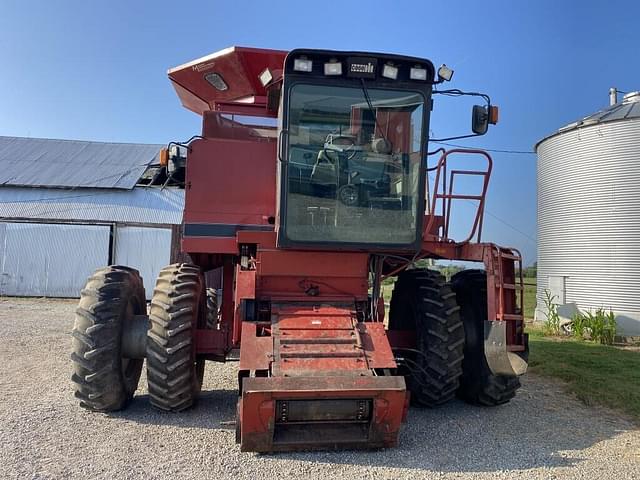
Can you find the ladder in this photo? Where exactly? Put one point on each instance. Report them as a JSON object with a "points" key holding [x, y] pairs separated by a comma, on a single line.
{"points": [[509, 292]]}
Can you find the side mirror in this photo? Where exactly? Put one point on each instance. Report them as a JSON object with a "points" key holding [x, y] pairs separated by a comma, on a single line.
{"points": [[479, 120], [481, 117]]}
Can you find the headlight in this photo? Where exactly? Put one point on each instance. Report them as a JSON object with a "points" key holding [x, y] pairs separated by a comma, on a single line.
{"points": [[333, 68], [445, 73], [265, 77], [389, 71], [302, 65], [418, 73]]}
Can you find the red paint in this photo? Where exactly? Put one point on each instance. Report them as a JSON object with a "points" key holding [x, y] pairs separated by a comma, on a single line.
{"points": [[307, 339], [239, 68]]}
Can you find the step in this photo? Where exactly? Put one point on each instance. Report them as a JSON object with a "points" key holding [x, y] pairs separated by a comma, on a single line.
{"points": [[510, 316], [510, 256]]}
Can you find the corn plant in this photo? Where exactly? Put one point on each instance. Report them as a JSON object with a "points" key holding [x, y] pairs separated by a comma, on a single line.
{"points": [[604, 327], [579, 326], [608, 327], [598, 326], [552, 322]]}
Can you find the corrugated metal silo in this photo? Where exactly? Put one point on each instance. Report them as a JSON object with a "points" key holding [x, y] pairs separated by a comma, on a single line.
{"points": [[589, 214]]}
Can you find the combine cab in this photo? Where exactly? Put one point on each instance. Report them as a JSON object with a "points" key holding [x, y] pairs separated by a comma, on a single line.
{"points": [[307, 188]]}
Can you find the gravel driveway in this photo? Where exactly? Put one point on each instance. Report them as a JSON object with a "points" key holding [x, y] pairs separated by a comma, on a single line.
{"points": [[543, 433]]}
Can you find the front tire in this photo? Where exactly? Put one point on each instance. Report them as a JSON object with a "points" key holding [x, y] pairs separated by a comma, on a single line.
{"points": [[423, 302], [174, 375], [478, 384], [104, 379]]}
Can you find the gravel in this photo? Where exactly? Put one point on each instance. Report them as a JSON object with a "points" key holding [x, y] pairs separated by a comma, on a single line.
{"points": [[543, 433]]}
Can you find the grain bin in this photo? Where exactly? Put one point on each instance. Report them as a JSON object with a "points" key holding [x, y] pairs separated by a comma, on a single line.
{"points": [[589, 214]]}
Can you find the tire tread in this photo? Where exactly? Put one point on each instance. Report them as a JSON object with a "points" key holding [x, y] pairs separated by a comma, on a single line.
{"points": [[171, 366], [97, 376], [478, 385], [423, 300]]}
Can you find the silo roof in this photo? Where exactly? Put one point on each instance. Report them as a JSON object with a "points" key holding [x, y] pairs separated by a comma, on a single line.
{"points": [[627, 109]]}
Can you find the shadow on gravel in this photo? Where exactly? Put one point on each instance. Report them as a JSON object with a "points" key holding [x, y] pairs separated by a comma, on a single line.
{"points": [[216, 409], [542, 427]]}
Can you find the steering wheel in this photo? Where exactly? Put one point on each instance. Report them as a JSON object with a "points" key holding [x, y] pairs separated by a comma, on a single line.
{"points": [[348, 145]]}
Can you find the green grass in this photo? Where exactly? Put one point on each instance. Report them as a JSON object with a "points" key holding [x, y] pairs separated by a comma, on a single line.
{"points": [[596, 374], [529, 297]]}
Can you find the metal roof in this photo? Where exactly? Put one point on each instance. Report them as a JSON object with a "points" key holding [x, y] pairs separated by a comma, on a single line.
{"points": [[140, 205], [628, 109], [42, 162]]}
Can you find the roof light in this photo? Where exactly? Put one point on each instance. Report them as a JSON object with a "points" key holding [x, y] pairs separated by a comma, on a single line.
{"points": [[302, 65], [265, 77], [389, 71], [216, 81], [445, 73], [333, 68], [417, 73]]}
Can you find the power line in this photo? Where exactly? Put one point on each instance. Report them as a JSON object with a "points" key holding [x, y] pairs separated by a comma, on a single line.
{"points": [[509, 225], [495, 150], [493, 215]]}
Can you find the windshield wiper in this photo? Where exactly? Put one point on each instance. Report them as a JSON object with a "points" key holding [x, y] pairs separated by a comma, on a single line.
{"points": [[365, 92]]}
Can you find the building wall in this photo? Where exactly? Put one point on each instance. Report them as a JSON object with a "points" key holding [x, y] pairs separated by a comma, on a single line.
{"points": [[52, 260], [145, 249], [55, 259]]}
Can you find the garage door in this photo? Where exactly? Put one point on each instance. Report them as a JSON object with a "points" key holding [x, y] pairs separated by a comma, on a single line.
{"points": [[52, 260], [146, 249]]}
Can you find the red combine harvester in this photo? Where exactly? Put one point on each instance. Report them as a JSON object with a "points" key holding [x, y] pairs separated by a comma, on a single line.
{"points": [[305, 219]]}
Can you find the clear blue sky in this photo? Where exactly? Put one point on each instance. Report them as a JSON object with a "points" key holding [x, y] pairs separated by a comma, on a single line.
{"points": [[97, 70]]}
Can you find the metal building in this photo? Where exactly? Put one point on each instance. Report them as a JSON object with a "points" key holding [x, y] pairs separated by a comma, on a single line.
{"points": [[69, 207], [589, 214]]}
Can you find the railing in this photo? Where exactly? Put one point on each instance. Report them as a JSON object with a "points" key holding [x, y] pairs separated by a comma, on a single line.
{"points": [[447, 196]]}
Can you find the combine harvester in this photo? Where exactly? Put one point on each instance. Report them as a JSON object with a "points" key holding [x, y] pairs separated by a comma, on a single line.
{"points": [[305, 219]]}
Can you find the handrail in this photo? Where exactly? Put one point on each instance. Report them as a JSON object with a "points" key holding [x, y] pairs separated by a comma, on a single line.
{"points": [[447, 196]]}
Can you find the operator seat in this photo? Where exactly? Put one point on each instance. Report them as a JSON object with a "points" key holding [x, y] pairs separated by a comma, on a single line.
{"points": [[324, 171]]}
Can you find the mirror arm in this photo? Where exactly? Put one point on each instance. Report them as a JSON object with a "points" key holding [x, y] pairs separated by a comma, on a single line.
{"points": [[454, 138]]}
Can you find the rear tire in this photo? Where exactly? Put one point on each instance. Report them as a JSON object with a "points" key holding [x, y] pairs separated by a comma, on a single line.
{"points": [[422, 301], [173, 373], [212, 308], [478, 384], [104, 380]]}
